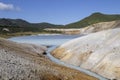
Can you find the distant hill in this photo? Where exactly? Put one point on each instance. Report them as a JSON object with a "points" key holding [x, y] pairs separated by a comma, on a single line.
{"points": [[45, 25], [92, 19], [14, 22], [19, 25], [23, 23]]}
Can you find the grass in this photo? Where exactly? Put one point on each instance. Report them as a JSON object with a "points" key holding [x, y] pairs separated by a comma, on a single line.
{"points": [[8, 35]]}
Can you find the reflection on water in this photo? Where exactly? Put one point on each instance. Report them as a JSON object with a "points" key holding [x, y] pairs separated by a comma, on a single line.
{"points": [[45, 39]]}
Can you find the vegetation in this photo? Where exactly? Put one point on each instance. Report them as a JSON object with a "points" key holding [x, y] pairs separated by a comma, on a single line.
{"points": [[8, 35], [23, 23], [92, 19], [18, 27]]}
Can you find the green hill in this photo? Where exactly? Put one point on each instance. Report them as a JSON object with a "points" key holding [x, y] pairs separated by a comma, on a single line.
{"points": [[92, 19], [14, 22], [19, 25]]}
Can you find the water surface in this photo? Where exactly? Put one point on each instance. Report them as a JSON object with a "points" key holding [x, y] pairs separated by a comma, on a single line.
{"points": [[45, 39]]}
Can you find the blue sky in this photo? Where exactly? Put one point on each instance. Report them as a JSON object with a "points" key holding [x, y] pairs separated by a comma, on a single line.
{"points": [[56, 11]]}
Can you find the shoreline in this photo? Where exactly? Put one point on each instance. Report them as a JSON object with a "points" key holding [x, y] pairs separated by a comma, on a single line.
{"points": [[57, 61], [19, 34]]}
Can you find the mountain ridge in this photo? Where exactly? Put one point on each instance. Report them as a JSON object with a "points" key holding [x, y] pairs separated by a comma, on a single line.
{"points": [[92, 19], [21, 23]]}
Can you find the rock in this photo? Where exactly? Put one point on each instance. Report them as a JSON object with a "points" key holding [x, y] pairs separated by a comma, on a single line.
{"points": [[98, 52], [100, 26], [89, 29]]}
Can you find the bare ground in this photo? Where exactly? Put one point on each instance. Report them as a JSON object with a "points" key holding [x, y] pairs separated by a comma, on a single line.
{"points": [[26, 62]]}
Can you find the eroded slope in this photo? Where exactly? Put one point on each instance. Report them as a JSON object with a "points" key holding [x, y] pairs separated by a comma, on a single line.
{"points": [[98, 52]]}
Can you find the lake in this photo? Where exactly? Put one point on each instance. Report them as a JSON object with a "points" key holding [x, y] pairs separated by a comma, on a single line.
{"points": [[45, 39]]}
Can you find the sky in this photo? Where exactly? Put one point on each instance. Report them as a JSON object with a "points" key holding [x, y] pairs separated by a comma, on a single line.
{"points": [[56, 11]]}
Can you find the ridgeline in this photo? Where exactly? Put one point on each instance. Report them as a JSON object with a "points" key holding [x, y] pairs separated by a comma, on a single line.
{"points": [[18, 27], [92, 19]]}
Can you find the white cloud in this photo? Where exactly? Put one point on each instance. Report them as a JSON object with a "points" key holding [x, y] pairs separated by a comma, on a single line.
{"points": [[4, 6]]}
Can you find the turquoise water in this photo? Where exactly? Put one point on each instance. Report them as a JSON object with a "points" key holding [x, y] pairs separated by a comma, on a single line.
{"points": [[45, 39]]}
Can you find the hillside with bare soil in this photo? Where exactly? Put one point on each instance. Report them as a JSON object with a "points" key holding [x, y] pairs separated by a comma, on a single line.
{"points": [[89, 29], [98, 52], [100, 26]]}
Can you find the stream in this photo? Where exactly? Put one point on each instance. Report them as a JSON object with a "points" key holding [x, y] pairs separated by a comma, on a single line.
{"points": [[53, 41]]}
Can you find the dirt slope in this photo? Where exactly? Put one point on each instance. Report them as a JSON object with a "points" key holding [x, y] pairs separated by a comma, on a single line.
{"points": [[100, 26]]}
